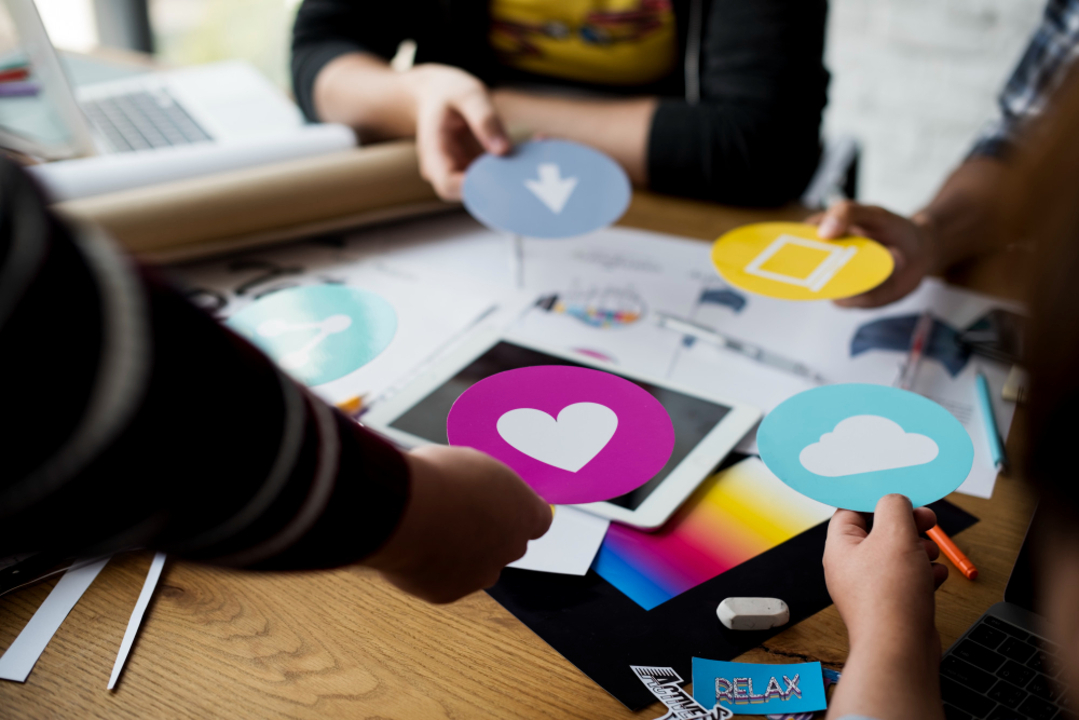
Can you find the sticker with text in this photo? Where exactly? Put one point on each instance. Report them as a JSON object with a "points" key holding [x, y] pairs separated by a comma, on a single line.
{"points": [[666, 685], [750, 689]]}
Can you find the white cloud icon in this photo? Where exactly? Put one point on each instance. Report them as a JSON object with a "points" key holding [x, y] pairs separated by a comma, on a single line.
{"points": [[866, 443]]}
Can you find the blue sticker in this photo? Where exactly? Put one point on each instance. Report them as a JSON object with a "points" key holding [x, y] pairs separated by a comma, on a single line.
{"points": [[850, 445], [750, 689], [547, 189], [318, 333]]}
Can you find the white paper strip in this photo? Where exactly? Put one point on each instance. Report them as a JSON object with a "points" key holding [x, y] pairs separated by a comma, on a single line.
{"points": [[569, 546], [20, 658], [136, 616]]}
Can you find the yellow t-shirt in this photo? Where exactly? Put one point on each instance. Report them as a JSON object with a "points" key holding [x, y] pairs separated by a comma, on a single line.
{"points": [[609, 42]]}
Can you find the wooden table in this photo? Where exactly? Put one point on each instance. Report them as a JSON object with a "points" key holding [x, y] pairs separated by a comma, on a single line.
{"points": [[344, 644]]}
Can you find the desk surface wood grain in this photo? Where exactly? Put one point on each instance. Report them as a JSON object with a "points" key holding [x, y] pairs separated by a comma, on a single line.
{"points": [[344, 644]]}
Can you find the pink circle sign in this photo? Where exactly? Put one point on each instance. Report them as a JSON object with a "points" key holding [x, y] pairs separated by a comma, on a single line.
{"points": [[574, 434]]}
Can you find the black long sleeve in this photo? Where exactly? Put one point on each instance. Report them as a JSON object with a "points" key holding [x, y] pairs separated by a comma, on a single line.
{"points": [[136, 420], [752, 138]]}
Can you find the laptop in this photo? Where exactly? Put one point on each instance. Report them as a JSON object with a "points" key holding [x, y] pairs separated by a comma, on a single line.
{"points": [[1003, 667], [219, 102]]}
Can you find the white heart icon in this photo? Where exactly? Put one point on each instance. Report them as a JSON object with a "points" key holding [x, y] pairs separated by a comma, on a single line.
{"points": [[569, 443]]}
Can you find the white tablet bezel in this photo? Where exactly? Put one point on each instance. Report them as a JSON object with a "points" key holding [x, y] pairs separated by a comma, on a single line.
{"points": [[661, 503]]}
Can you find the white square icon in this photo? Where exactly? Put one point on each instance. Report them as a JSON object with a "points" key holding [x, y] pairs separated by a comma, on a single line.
{"points": [[833, 259]]}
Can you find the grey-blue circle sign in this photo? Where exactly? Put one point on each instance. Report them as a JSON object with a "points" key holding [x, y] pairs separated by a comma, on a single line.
{"points": [[546, 189]]}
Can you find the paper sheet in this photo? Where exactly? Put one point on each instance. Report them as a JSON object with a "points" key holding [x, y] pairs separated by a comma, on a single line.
{"points": [[646, 272], [19, 659], [601, 293], [569, 546], [101, 174], [133, 624], [433, 309]]}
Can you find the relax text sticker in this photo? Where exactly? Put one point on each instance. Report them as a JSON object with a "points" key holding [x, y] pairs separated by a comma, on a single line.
{"points": [[749, 689]]}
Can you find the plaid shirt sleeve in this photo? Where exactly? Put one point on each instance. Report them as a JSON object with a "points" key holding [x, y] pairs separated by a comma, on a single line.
{"points": [[1042, 68]]}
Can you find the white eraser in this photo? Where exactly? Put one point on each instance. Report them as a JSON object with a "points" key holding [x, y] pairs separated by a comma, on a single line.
{"points": [[749, 613]]}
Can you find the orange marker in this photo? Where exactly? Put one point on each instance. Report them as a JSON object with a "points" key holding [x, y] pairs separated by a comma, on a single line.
{"points": [[953, 553]]}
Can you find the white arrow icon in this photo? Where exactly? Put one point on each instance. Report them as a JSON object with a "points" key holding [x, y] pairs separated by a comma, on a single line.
{"points": [[551, 188]]}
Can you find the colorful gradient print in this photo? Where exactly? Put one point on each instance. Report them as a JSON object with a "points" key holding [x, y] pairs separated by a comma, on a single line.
{"points": [[734, 516]]}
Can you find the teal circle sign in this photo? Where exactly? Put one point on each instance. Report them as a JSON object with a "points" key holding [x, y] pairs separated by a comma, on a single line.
{"points": [[850, 445], [318, 333]]}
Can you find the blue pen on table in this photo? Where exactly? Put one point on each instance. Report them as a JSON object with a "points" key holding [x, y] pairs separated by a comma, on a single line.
{"points": [[992, 432]]}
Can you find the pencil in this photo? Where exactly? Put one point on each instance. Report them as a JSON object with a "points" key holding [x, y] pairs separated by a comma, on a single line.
{"points": [[953, 553]]}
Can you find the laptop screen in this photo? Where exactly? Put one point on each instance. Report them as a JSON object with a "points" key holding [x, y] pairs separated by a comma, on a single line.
{"points": [[1021, 586], [38, 112]]}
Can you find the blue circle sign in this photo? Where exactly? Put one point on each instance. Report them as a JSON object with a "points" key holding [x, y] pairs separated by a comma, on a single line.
{"points": [[850, 445], [318, 333], [546, 189]]}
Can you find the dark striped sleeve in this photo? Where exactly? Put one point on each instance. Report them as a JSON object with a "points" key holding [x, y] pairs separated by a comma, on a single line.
{"points": [[136, 420]]}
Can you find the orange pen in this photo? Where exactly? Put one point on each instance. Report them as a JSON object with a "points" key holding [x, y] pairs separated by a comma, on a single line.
{"points": [[953, 553]]}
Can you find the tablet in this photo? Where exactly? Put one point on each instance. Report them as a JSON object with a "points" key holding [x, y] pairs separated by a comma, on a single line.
{"points": [[706, 427]]}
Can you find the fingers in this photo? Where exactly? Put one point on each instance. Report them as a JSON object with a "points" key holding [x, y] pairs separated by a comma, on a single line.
{"points": [[932, 550], [940, 574], [835, 222], [478, 111], [543, 521], [895, 516], [898, 285], [846, 526], [436, 166], [850, 218], [924, 519]]}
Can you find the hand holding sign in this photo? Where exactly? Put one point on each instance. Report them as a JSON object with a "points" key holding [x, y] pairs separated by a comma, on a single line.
{"points": [[789, 261], [576, 435], [547, 189], [850, 445], [466, 518]]}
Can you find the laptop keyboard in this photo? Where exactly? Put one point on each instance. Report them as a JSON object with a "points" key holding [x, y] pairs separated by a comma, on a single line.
{"points": [[143, 120], [1000, 672]]}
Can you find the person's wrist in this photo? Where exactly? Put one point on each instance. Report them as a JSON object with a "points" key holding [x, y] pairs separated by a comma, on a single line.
{"points": [[415, 80], [929, 239], [895, 639], [397, 551]]}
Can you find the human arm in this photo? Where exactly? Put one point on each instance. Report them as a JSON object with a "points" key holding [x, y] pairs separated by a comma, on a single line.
{"points": [[963, 221], [617, 127], [448, 111], [882, 582], [752, 136], [145, 423], [362, 91], [341, 73]]}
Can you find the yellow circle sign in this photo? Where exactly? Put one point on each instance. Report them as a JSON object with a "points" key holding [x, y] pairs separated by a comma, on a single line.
{"points": [[789, 262]]}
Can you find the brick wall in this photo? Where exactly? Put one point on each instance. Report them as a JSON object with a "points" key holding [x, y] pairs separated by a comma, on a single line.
{"points": [[914, 80]]}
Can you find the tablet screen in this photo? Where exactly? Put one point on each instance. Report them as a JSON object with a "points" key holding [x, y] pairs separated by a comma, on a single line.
{"points": [[693, 417]]}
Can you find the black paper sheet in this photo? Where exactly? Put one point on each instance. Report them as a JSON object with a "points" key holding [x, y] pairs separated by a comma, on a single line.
{"points": [[603, 632]]}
